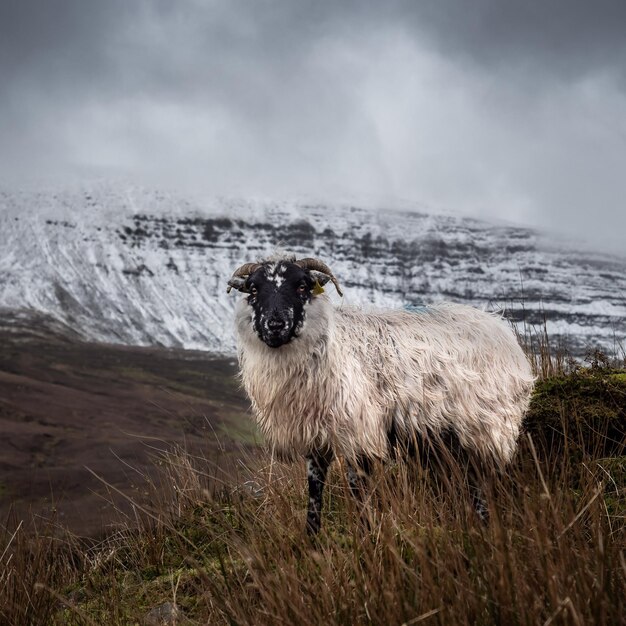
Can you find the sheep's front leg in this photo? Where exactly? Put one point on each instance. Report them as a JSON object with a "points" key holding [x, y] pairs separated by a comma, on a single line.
{"points": [[317, 468]]}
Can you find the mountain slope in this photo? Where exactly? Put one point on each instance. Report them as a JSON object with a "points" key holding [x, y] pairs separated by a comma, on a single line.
{"points": [[134, 266]]}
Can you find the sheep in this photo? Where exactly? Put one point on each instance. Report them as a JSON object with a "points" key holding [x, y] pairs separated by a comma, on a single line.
{"points": [[328, 381]]}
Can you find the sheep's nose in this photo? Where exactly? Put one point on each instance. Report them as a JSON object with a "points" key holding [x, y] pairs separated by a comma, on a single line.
{"points": [[275, 324]]}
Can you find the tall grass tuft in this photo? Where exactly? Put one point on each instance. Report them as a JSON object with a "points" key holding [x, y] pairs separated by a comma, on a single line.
{"points": [[36, 561], [415, 553]]}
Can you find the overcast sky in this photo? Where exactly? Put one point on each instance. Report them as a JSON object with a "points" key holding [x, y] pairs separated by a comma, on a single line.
{"points": [[515, 110]]}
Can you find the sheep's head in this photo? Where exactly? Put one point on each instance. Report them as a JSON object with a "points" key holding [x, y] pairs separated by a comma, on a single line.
{"points": [[279, 292]]}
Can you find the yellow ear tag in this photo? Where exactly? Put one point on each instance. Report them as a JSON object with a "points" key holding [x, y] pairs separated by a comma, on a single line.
{"points": [[317, 289]]}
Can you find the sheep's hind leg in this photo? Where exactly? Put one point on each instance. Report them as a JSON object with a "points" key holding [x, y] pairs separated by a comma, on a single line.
{"points": [[317, 468], [476, 480], [473, 469], [358, 475], [358, 480]]}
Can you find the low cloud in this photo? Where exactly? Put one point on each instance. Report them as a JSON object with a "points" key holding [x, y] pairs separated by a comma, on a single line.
{"points": [[508, 110]]}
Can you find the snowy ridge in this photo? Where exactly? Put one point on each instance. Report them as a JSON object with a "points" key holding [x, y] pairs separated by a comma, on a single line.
{"points": [[127, 265]]}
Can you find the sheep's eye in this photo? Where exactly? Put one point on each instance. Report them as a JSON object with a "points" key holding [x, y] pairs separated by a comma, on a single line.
{"points": [[302, 288], [253, 290]]}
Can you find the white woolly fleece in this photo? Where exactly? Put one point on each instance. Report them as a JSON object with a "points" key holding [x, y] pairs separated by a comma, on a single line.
{"points": [[350, 373]]}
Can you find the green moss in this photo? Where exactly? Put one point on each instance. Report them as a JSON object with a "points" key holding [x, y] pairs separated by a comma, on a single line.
{"points": [[613, 471], [146, 571], [585, 410]]}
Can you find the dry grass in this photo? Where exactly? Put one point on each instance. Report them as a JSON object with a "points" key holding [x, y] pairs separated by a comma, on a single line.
{"points": [[553, 551]]}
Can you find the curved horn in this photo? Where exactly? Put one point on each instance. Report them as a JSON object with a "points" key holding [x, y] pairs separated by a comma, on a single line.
{"points": [[320, 266], [239, 273]]}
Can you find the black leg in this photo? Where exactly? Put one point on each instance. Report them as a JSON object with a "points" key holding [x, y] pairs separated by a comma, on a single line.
{"points": [[358, 479], [358, 475], [476, 479], [317, 468], [473, 470]]}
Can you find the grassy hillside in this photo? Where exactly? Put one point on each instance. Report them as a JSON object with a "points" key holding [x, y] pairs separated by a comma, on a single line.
{"points": [[67, 405], [208, 551]]}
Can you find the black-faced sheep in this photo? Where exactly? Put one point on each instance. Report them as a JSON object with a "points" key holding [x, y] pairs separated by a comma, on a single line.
{"points": [[326, 380]]}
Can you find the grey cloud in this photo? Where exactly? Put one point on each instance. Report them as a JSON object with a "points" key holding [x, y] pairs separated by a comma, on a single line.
{"points": [[508, 109], [567, 38], [74, 37]]}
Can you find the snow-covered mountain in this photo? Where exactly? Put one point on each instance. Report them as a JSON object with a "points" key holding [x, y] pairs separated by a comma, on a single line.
{"points": [[126, 265]]}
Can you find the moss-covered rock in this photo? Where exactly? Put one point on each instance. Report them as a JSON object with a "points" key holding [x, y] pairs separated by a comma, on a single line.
{"points": [[584, 411]]}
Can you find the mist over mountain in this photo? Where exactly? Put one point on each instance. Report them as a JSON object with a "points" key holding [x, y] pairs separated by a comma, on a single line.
{"points": [[127, 265]]}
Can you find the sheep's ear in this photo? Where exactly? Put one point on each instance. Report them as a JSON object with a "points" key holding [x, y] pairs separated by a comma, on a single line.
{"points": [[238, 283]]}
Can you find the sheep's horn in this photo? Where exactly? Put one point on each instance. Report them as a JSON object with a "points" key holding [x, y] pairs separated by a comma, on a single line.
{"points": [[244, 270], [320, 266]]}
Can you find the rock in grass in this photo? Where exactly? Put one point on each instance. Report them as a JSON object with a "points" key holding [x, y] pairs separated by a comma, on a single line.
{"points": [[167, 614]]}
